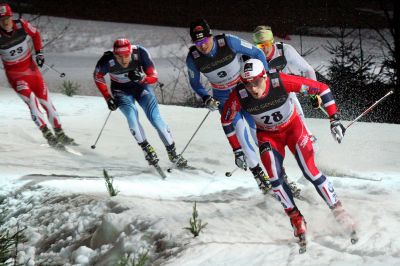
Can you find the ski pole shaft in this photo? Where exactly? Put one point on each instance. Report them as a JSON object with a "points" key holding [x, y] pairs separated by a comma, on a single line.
{"points": [[62, 74], [370, 108], [194, 134], [323, 110], [229, 174], [197, 129], [101, 131]]}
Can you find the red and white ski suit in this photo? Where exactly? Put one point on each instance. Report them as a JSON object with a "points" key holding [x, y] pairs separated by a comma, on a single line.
{"points": [[279, 125], [23, 74]]}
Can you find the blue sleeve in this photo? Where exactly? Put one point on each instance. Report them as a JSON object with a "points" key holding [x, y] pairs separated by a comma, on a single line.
{"points": [[194, 78], [243, 47], [145, 58]]}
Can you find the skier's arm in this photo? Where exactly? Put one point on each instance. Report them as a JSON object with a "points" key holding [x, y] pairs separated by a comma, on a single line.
{"points": [[100, 71], [243, 47], [231, 108], [34, 34], [194, 79], [307, 86], [296, 63], [148, 66]]}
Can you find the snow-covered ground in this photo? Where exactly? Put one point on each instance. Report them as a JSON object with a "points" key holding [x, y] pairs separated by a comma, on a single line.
{"points": [[70, 219]]}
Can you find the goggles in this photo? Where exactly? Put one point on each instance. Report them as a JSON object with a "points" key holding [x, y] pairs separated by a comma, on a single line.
{"points": [[266, 44], [203, 41]]}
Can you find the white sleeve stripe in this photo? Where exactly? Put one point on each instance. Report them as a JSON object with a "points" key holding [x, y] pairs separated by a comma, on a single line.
{"points": [[325, 92], [230, 134], [226, 124], [101, 80], [329, 103]]}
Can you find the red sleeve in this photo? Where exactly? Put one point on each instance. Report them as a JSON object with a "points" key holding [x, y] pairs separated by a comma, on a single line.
{"points": [[308, 86], [151, 76], [101, 84], [231, 108], [34, 33]]}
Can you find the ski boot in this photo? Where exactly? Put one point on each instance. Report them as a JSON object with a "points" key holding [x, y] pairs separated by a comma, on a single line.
{"points": [[51, 139], [262, 179], [345, 220], [299, 226], [150, 153], [62, 138], [176, 159], [292, 185]]}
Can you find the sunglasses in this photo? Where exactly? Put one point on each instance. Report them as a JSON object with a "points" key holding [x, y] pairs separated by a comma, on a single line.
{"points": [[203, 41], [255, 83], [266, 44]]}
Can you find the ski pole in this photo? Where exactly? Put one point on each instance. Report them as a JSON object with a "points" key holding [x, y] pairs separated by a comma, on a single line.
{"points": [[62, 74], [194, 134], [105, 122], [370, 108], [229, 174]]}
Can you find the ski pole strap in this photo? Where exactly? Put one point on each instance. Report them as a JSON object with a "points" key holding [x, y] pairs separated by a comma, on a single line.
{"points": [[370, 108]]}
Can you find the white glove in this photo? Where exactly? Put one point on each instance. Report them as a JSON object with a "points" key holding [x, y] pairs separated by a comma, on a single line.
{"points": [[337, 129], [240, 159], [211, 103]]}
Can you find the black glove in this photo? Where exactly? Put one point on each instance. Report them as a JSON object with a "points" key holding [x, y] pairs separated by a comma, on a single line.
{"points": [[315, 101], [337, 129], [112, 104], [210, 103], [136, 76], [240, 159], [39, 58]]}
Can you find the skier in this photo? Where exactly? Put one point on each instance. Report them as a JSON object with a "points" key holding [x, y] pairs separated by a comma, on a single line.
{"points": [[132, 75], [25, 77], [266, 97], [218, 59], [285, 58]]}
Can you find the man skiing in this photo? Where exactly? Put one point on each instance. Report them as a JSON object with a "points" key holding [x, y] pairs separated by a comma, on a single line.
{"points": [[266, 97], [218, 59], [132, 75], [25, 77], [285, 58]]}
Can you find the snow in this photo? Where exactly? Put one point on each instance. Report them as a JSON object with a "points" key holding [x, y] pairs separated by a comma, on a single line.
{"points": [[61, 199]]}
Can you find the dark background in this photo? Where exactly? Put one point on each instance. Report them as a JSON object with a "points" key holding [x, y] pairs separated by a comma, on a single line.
{"points": [[285, 17]]}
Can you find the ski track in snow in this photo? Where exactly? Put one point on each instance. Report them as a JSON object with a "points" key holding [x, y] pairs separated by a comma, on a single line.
{"points": [[61, 199]]}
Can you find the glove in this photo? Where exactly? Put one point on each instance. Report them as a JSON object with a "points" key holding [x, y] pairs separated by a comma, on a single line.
{"points": [[136, 76], [240, 159], [337, 129], [315, 101], [39, 58], [210, 103], [112, 104]]}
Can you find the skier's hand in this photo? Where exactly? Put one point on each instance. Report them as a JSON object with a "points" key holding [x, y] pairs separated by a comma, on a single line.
{"points": [[337, 129], [240, 159], [39, 58], [112, 104], [315, 101], [136, 76], [211, 103]]}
